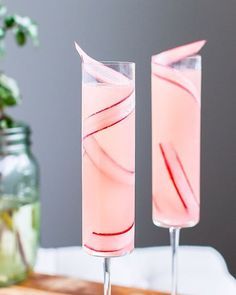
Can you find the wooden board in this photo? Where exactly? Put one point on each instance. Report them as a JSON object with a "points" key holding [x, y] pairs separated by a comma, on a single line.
{"points": [[39, 284]]}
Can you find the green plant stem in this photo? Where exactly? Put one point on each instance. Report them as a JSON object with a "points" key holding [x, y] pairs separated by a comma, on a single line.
{"points": [[1, 113], [22, 252], [19, 244]]}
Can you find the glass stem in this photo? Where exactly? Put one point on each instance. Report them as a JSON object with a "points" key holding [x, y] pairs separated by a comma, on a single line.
{"points": [[174, 241], [107, 276]]}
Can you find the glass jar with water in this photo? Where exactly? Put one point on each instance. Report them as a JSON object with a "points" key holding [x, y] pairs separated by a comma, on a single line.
{"points": [[19, 205]]}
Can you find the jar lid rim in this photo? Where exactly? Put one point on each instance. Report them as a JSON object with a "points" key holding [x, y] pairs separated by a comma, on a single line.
{"points": [[20, 127]]}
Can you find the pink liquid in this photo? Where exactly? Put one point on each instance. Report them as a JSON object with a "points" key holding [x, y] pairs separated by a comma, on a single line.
{"points": [[176, 146], [108, 168]]}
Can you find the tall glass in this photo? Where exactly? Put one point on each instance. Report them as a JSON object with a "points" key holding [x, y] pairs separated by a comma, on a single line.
{"points": [[176, 148], [108, 165]]}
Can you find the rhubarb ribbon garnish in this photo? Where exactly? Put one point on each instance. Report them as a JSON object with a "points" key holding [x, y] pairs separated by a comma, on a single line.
{"points": [[105, 118], [162, 67], [177, 54], [99, 71], [116, 233], [105, 163], [102, 250], [179, 178], [119, 239], [109, 116]]}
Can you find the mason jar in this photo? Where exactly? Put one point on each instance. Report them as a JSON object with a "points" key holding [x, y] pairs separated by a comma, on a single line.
{"points": [[19, 205]]}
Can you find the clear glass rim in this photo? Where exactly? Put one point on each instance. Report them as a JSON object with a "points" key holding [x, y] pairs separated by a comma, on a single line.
{"points": [[186, 63], [111, 63], [194, 56]]}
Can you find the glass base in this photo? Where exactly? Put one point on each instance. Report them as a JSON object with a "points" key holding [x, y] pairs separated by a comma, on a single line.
{"points": [[119, 253], [168, 225]]}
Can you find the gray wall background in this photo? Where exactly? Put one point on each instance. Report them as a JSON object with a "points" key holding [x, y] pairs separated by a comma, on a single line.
{"points": [[49, 78]]}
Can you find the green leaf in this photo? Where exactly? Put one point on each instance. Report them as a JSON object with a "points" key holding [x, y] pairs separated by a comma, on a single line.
{"points": [[9, 21], [7, 122], [30, 28], [9, 92], [20, 37]]}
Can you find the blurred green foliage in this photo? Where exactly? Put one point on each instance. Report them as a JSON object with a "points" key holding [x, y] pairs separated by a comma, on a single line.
{"points": [[23, 29]]}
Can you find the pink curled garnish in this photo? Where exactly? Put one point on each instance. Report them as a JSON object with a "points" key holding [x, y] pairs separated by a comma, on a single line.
{"points": [[179, 178], [171, 174], [116, 233], [186, 176], [168, 57], [120, 237], [109, 116], [99, 71], [106, 118], [161, 67], [105, 163], [102, 251]]}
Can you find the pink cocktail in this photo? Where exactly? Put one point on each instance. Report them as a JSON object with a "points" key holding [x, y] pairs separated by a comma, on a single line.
{"points": [[176, 143], [108, 159], [108, 114], [176, 115]]}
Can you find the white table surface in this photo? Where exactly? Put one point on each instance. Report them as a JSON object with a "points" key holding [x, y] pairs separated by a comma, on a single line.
{"points": [[202, 270]]}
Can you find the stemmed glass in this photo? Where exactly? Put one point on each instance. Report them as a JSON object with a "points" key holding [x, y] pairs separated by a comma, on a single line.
{"points": [[108, 159], [176, 86]]}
